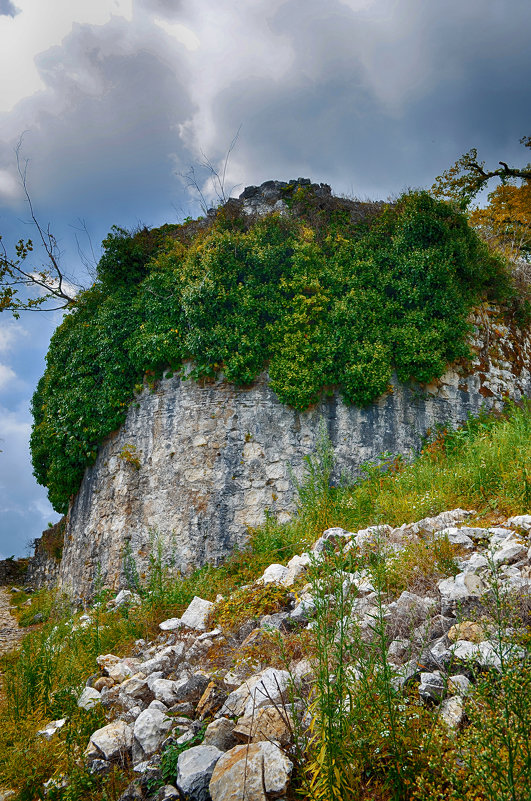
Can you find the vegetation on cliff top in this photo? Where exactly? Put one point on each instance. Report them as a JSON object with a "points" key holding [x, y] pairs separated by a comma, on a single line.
{"points": [[317, 299]]}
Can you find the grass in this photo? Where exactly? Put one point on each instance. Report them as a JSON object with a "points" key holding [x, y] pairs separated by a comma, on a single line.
{"points": [[369, 740]]}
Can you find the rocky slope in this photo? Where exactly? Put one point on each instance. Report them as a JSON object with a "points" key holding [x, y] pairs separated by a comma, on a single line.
{"points": [[216, 698]]}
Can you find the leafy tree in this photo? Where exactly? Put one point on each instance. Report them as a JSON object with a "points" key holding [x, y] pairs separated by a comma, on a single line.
{"points": [[505, 223], [468, 176]]}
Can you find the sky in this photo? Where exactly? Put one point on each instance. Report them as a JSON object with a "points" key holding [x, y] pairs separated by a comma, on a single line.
{"points": [[115, 100]]}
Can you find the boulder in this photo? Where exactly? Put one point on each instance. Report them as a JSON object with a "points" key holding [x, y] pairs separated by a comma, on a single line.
{"points": [[296, 567], [431, 687], [164, 690], [520, 521], [211, 701], [197, 613], [126, 597], [220, 734], [112, 742], [460, 590], [260, 690], [329, 539], [451, 712], [89, 698], [303, 611], [172, 624], [122, 670], [190, 690], [486, 654], [274, 574], [431, 524], [151, 728], [105, 661], [137, 687], [256, 772], [455, 536], [509, 551], [467, 630], [268, 723], [194, 771]]}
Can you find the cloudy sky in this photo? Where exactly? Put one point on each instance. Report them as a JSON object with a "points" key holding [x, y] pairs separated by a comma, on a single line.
{"points": [[115, 99]]}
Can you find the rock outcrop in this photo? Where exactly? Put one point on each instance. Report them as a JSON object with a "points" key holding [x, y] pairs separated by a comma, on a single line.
{"points": [[210, 458]]}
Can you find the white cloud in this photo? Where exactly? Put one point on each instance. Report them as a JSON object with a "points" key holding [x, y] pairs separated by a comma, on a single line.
{"points": [[10, 334], [7, 376], [38, 27], [179, 32], [9, 186]]}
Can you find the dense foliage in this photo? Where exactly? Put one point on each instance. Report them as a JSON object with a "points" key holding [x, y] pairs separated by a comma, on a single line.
{"points": [[318, 303]]}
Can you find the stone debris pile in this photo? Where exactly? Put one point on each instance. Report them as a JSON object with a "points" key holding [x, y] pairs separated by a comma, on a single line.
{"points": [[239, 722]]}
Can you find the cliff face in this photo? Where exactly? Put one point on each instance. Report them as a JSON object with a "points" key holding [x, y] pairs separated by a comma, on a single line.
{"points": [[196, 464]]}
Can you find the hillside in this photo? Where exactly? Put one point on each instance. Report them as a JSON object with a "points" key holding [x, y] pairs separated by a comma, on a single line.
{"points": [[332, 659], [320, 291]]}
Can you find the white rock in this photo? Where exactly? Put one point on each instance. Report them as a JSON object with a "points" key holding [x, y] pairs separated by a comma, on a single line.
{"points": [[172, 624], [194, 771], [151, 728], [297, 566], [431, 686], [158, 705], [304, 610], [455, 536], [197, 614], [462, 586], [111, 742], [474, 563], [126, 597], [273, 574], [486, 653], [410, 603], [120, 671], [398, 649], [89, 698], [459, 684], [520, 521], [498, 534], [451, 711], [105, 661], [509, 551], [256, 772], [440, 521], [260, 690], [329, 538], [51, 728], [164, 690]]}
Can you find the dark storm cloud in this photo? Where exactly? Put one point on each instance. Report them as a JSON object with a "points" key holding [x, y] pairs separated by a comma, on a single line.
{"points": [[8, 9], [371, 96], [380, 101]]}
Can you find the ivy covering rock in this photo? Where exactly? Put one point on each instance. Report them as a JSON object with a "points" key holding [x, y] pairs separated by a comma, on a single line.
{"points": [[319, 291]]}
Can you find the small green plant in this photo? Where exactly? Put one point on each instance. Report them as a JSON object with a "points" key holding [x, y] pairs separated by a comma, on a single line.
{"points": [[130, 455], [170, 755]]}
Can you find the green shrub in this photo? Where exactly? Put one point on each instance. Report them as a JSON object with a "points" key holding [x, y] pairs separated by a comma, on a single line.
{"points": [[318, 305]]}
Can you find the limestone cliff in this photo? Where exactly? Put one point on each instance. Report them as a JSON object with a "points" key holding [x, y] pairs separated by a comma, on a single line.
{"points": [[196, 464]]}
